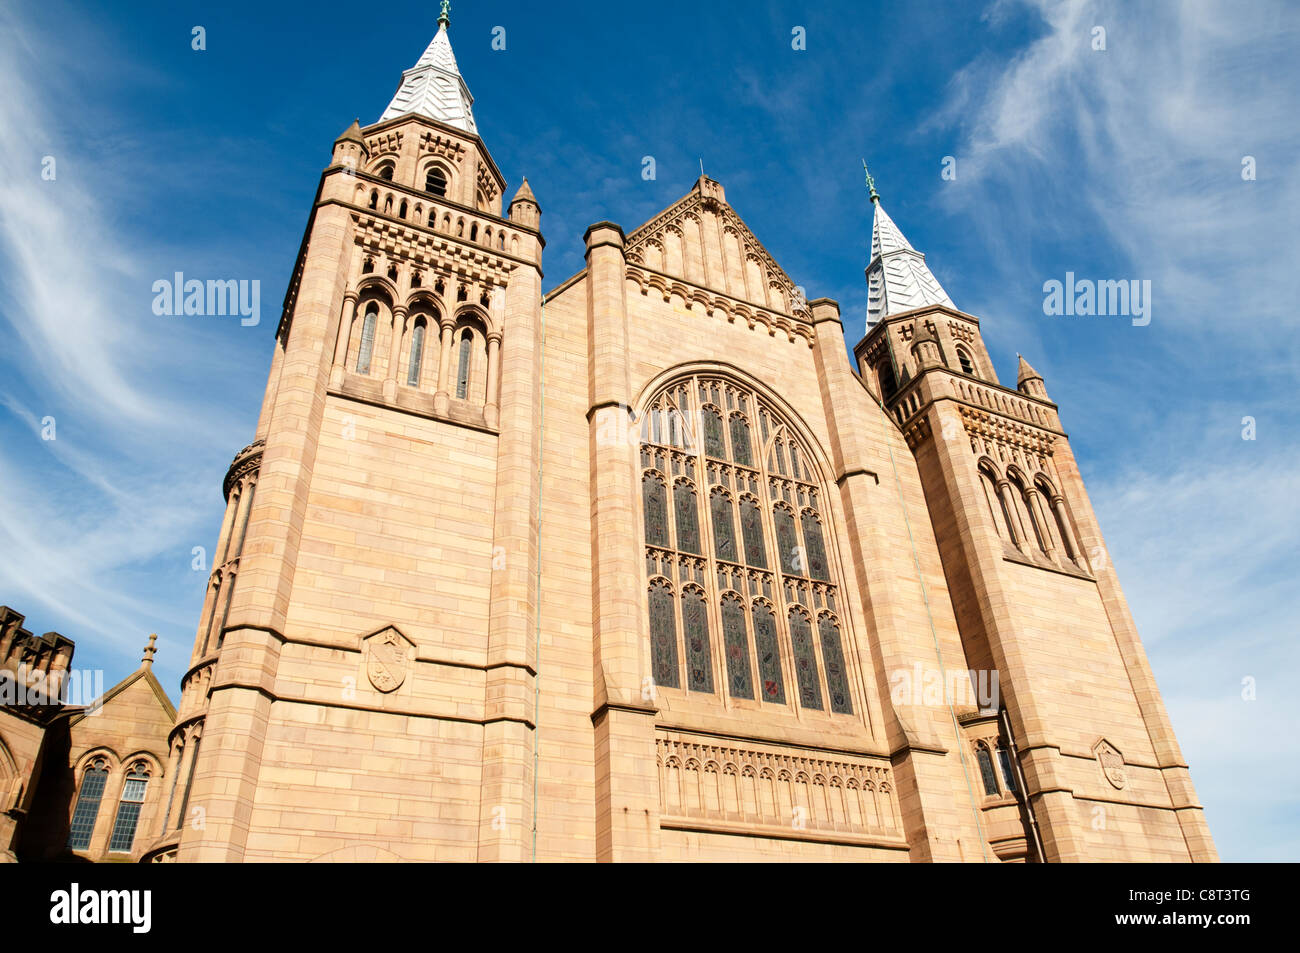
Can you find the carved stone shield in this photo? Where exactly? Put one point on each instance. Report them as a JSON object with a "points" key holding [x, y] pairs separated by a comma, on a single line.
{"points": [[1112, 763], [388, 656]]}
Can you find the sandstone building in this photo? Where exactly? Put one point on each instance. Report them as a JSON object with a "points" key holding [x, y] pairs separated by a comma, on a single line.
{"points": [[640, 567], [83, 781]]}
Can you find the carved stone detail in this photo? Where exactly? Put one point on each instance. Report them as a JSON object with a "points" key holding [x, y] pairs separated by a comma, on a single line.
{"points": [[1112, 763], [388, 655], [712, 779]]}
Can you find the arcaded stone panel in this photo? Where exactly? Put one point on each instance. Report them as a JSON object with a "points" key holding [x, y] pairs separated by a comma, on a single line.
{"points": [[398, 532], [335, 779], [713, 782]]}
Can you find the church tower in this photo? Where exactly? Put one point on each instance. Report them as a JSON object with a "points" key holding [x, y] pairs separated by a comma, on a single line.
{"points": [[1035, 595], [363, 671]]}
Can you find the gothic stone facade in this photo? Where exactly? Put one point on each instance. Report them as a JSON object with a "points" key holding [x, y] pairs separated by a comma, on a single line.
{"points": [[77, 782], [640, 567]]}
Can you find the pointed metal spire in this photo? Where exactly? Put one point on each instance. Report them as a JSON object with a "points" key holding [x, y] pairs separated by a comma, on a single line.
{"points": [[433, 87], [898, 279]]}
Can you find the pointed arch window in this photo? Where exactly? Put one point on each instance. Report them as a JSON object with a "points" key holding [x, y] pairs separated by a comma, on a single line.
{"points": [[888, 383], [724, 537], [769, 654], [686, 517], [695, 630], [462, 366], [805, 659], [1008, 773], [741, 450], [837, 679], [788, 541], [963, 358], [736, 644], [367, 338], [713, 445], [88, 799], [814, 546], [129, 806], [654, 504], [751, 527], [663, 635], [417, 353], [386, 171], [435, 181], [986, 770]]}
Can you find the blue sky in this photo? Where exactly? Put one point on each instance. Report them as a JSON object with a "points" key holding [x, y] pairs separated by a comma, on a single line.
{"points": [[1117, 163]]}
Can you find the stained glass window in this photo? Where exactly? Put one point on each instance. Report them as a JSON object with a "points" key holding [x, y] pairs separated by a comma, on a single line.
{"points": [[654, 501], [695, 629], [128, 808], [736, 642], [713, 434], [724, 564], [663, 635], [792, 560], [813, 546], [805, 660], [417, 353], [769, 654], [87, 809], [724, 537], [741, 450], [367, 339], [986, 770], [837, 679], [688, 521], [751, 528]]}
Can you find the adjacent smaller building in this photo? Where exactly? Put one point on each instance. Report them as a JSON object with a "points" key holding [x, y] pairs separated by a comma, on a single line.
{"points": [[78, 781]]}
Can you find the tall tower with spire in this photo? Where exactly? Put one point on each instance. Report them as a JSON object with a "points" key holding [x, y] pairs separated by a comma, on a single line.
{"points": [[1035, 594], [372, 598]]}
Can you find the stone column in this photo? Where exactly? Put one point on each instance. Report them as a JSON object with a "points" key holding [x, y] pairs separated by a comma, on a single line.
{"points": [[627, 784], [1008, 499], [345, 336], [490, 414], [395, 353], [1038, 513], [442, 399], [1067, 531]]}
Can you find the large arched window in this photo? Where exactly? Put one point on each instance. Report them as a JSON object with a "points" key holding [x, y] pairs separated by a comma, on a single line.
{"points": [[88, 799], [751, 592], [129, 806]]}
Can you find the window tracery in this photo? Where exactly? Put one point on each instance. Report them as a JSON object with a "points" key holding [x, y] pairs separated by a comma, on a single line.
{"points": [[740, 582]]}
